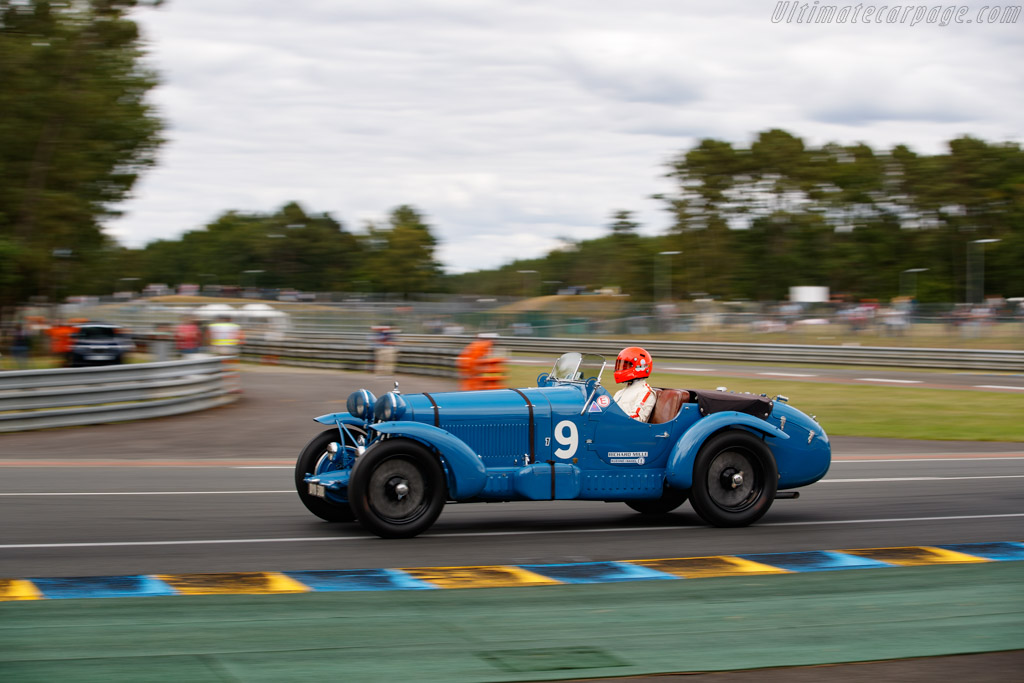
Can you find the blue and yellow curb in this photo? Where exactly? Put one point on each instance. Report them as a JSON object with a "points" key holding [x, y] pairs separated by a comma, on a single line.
{"points": [[502, 576]]}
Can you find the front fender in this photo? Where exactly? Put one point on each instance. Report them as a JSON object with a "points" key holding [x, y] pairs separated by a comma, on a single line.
{"points": [[466, 471], [339, 420], [679, 470], [334, 418]]}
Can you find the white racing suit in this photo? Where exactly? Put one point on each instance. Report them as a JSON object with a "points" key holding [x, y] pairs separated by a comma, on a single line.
{"points": [[637, 399]]}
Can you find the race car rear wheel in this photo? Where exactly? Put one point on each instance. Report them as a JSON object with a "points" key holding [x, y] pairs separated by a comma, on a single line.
{"points": [[397, 489], [314, 459], [670, 499], [734, 479]]}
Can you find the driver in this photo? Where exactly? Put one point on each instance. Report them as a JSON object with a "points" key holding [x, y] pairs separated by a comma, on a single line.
{"points": [[637, 398]]}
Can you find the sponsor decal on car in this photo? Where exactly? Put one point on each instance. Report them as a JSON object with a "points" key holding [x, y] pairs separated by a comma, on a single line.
{"points": [[627, 457]]}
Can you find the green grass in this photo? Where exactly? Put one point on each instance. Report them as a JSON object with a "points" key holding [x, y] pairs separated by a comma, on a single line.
{"points": [[35, 363], [850, 410]]}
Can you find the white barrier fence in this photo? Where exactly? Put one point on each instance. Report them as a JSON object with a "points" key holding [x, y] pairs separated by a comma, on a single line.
{"points": [[352, 354], [421, 354], [63, 397]]}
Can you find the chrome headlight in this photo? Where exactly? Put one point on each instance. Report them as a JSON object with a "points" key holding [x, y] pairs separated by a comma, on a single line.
{"points": [[390, 406], [360, 404]]}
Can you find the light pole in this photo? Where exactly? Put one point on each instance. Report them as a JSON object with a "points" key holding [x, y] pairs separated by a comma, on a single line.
{"points": [[668, 279], [979, 290], [913, 288], [205, 280], [128, 281], [524, 273], [254, 272]]}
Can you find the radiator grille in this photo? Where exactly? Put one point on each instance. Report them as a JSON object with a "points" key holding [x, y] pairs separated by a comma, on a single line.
{"points": [[497, 444]]}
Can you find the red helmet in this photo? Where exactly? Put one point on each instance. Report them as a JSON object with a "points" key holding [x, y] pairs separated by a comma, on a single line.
{"points": [[632, 363]]}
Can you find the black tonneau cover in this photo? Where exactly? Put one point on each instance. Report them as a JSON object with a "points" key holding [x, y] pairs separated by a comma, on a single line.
{"points": [[720, 401]]}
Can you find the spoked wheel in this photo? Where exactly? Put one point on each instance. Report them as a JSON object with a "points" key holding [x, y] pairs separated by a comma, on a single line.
{"points": [[734, 480], [670, 499], [397, 489], [315, 459]]}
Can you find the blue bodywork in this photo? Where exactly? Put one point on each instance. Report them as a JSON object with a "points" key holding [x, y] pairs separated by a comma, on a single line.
{"points": [[565, 439]]}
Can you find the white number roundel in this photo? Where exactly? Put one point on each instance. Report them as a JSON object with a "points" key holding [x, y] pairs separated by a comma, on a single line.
{"points": [[569, 438]]}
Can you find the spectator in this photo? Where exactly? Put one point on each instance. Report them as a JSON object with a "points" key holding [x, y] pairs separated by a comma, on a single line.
{"points": [[60, 340], [21, 346], [225, 336], [385, 352], [187, 337], [161, 344]]}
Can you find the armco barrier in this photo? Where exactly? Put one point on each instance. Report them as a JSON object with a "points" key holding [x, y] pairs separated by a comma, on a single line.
{"points": [[435, 354], [63, 397], [351, 354]]}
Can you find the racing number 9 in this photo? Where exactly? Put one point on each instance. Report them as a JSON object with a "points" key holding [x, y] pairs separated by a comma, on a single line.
{"points": [[567, 435]]}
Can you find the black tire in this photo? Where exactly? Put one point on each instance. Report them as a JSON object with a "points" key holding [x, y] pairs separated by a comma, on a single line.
{"points": [[312, 460], [717, 496], [397, 489], [670, 499]]}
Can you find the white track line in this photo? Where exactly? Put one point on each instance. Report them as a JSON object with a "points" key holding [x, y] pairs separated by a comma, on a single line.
{"points": [[884, 479], [427, 537], [890, 381], [842, 461], [139, 493], [997, 386]]}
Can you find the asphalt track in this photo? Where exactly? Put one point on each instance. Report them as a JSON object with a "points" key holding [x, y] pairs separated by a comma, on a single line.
{"points": [[211, 493]]}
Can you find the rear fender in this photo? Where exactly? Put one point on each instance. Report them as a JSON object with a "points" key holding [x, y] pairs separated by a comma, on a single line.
{"points": [[466, 472], [679, 470]]}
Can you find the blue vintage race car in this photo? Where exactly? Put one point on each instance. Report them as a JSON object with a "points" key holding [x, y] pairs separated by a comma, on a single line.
{"points": [[393, 462]]}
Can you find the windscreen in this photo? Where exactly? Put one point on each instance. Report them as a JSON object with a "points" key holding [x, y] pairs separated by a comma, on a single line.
{"points": [[578, 367], [567, 367]]}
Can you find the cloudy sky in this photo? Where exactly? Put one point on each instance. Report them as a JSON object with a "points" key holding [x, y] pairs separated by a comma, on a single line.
{"points": [[515, 124]]}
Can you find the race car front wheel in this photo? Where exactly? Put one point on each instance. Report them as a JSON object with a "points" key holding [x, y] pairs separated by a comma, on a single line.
{"points": [[734, 479], [315, 459], [397, 489]]}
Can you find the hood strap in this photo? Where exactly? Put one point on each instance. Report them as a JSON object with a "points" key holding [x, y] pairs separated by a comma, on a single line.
{"points": [[533, 456]]}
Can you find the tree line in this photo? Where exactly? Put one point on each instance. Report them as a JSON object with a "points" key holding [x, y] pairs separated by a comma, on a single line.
{"points": [[749, 222], [290, 249], [745, 221]]}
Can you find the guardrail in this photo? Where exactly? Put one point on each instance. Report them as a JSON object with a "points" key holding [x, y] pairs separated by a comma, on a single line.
{"points": [[355, 353], [423, 354], [63, 397], [949, 359]]}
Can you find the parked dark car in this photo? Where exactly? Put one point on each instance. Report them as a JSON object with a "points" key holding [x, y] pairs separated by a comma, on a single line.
{"points": [[98, 344]]}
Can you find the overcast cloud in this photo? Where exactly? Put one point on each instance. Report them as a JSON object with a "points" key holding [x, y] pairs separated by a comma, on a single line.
{"points": [[513, 124]]}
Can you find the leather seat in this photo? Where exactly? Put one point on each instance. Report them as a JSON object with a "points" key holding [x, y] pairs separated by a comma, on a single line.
{"points": [[668, 404]]}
